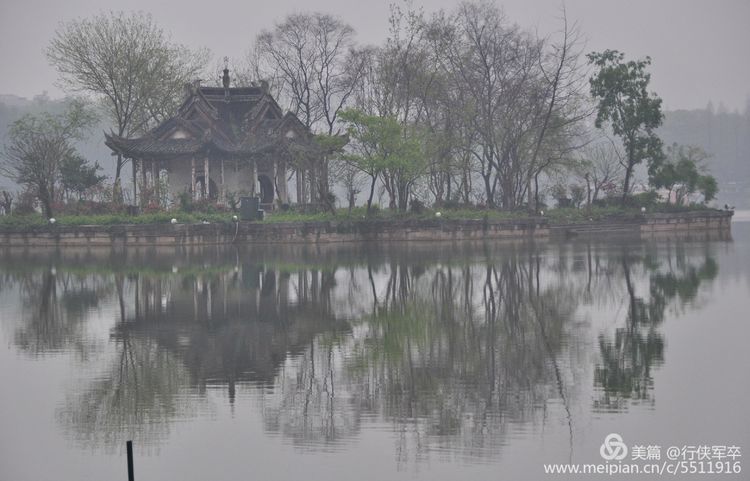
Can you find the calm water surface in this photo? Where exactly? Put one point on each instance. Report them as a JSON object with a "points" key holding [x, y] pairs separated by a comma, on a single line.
{"points": [[411, 361]]}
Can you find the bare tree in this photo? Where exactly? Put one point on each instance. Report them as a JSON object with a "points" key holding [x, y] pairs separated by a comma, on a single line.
{"points": [[350, 177], [601, 167], [312, 62], [505, 91], [129, 63], [495, 64], [562, 107]]}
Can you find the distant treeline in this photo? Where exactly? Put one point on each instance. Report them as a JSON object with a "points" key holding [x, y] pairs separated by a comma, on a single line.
{"points": [[723, 135]]}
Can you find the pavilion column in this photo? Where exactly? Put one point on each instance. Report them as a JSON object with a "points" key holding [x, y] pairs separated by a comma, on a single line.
{"points": [[298, 185], [253, 177], [144, 182], [152, 164], [135, 180], [206, 179], [156, 178], [192, 177]]}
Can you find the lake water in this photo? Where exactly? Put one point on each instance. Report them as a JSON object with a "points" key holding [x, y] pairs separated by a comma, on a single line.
{"points": [[413, 361]]}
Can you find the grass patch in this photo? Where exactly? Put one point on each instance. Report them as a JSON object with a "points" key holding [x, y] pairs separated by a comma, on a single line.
{"points": [[360, 213], [37, 220], [555, 216]]}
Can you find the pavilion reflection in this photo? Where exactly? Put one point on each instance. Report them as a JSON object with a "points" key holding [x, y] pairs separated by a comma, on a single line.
{"points": [[232, 326], [187, 330]]}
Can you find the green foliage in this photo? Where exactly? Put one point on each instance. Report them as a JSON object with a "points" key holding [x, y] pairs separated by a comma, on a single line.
{"points": [[571, 214], [634, 114], [205, 206], [708, 187], [644, 199], [186, 201], [559, 192], [233, 200], [358, 214], [681, 174], [577, 195], [331, 143], [376, 141], [37, 220], [382, 146], [37, 147], [77, 175]]}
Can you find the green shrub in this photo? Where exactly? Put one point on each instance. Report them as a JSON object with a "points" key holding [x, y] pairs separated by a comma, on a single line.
{"points": [[185, 199], [643, 199]]}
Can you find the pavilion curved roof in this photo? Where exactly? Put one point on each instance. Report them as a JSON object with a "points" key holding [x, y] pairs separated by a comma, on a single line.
{"points": [[150, 147], [238, 122]]}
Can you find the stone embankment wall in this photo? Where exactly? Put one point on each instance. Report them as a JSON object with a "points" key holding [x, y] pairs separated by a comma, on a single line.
{"points": [[271, 233], [716, 223], [372, 230]]}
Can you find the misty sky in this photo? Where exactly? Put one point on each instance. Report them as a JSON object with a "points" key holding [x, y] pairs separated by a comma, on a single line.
{"points": [[700, 48]]}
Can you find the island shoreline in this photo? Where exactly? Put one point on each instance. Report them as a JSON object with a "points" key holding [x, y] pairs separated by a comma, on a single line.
{"points": [[384, 230]]}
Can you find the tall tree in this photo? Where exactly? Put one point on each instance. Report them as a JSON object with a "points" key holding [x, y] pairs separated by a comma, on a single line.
{"points": [[624, 102], [129, 63], [312, 62], [560, 108], [378, 145], [38, 145], [496, 67]]}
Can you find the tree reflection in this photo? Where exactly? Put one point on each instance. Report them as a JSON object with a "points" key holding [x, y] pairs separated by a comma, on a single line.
{"points": [[195, 328], [136, 397], [53, 310], [453, 346], [455, 354], [627, 360]]}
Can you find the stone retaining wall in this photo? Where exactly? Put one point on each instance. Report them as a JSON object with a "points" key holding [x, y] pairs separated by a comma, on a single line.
{"points": [[373, 230], [714, 222], [271, 233]]}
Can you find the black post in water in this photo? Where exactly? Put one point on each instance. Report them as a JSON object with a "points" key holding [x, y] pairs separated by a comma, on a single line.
{"points": [[131, 476]]}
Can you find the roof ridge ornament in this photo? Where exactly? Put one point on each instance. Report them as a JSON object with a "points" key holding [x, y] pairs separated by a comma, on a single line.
{"points": [[225, 77]]}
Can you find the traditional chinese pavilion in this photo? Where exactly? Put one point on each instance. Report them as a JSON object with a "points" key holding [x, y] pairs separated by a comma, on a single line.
{"points": [[222, 140]]}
